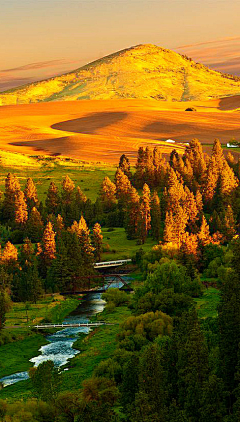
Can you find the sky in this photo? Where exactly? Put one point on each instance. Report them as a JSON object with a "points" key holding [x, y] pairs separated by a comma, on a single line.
{"points": [[43, 38]]}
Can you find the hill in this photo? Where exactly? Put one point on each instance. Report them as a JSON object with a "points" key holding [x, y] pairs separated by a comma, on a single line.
{"points": [[140, 72]]}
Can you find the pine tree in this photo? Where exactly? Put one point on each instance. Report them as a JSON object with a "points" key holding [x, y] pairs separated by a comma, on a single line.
{"points": [[83, 233], [9, 254], [30, 193], [169, 228], [20, 206], [229, 225], [59, 225], [156, 216], [123, 185], [229, 328], [11, 188], [48, 244], [35, 226], [132, 213], [228, 183], [144, 223], [194, 154], [192, 365], [204, 234], [97, 241], [68, 200], [80, 201], [108, 194], [52, 199], [124, 165]]}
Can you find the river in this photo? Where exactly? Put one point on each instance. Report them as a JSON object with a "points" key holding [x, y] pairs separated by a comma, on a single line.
{"points": [[60, 347]]}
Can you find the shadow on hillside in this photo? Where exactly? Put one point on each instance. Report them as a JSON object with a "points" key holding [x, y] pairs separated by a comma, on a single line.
{"points": [[91, 122], [229, 103]]}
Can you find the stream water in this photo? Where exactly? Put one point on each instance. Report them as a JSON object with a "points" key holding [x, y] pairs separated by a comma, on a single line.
{"points": [[60, 347]]}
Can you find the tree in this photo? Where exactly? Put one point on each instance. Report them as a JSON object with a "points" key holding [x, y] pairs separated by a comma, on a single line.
{"points": [[83, 233], [123, 185], [11, 188], [204, 234], [132, 213], [9, 254], [97, 241], [229, 329], [124, 165], [5, 305], [46, 381], [229, 225], [52, 199], [20, 208], [30, 193], [68, 200], [48, 244], [156, 216], [192, 365], [108, 194], [35, 225], [194, 154], [144, 222]]}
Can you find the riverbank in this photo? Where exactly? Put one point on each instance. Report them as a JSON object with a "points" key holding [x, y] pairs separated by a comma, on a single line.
{"points": [[97, 346], [15, 356]]}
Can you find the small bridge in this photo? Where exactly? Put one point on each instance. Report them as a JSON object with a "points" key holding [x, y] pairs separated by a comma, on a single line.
{"points": [[107, 264], [74, 325], [115, 278]]}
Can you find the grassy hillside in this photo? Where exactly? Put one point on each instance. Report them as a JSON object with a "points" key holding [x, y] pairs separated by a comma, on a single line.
{"points": [[143, 71]]}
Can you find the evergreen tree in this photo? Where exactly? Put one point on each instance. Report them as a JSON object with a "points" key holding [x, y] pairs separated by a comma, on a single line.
{"points": [[156, 216], [124, 165], [229, 225], [68, 200], [9, 254], [108, 194], [132, 214], [30, 193], [20, 208], [192, 365], [97, 241], [48, 244], [229, 329], [83, 233], [35, 226], [144, 223], [204, 234], [11, 188], [52, 199], [123, 185]]}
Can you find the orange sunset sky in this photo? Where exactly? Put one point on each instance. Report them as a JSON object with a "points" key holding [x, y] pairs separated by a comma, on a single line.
{"points": [[43, 38]]}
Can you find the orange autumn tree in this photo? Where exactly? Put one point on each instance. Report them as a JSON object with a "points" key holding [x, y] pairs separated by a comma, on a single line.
{"points": [[144, 222], [20, 209], [48, 244], [30, 193], [52, 199], [97, 241], [108, 194]]}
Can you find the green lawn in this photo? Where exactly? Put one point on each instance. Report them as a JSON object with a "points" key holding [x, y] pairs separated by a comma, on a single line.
{"points": [[52, 307], [14, 357], [207, 304], [88, 177], [119, 246]]}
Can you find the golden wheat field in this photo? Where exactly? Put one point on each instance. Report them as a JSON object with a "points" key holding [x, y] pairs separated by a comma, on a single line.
{"points": [[101, 130]]}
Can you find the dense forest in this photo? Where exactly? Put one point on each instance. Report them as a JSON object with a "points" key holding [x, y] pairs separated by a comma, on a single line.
{"points": [[169, 365]]}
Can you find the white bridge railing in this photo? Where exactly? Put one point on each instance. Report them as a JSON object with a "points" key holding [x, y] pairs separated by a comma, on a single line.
{"points": [[112, 263], [66, 325]]}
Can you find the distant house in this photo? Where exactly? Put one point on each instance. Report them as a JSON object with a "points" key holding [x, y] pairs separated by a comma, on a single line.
{"points": [[170, 141], [234, 145]]}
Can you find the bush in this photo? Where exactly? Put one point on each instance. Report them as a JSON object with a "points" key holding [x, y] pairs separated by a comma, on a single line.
{"points": [[117, 297]]}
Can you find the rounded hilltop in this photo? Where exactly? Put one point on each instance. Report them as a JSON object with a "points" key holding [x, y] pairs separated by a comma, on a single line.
{"points": [[144, 71]]}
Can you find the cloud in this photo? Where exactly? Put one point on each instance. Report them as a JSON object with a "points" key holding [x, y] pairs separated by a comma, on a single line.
{"points": [[38, 65], [221, 40], [217, 54]]}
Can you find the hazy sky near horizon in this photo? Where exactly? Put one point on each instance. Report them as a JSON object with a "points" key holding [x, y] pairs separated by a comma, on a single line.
{"points": [[42, 38]]}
